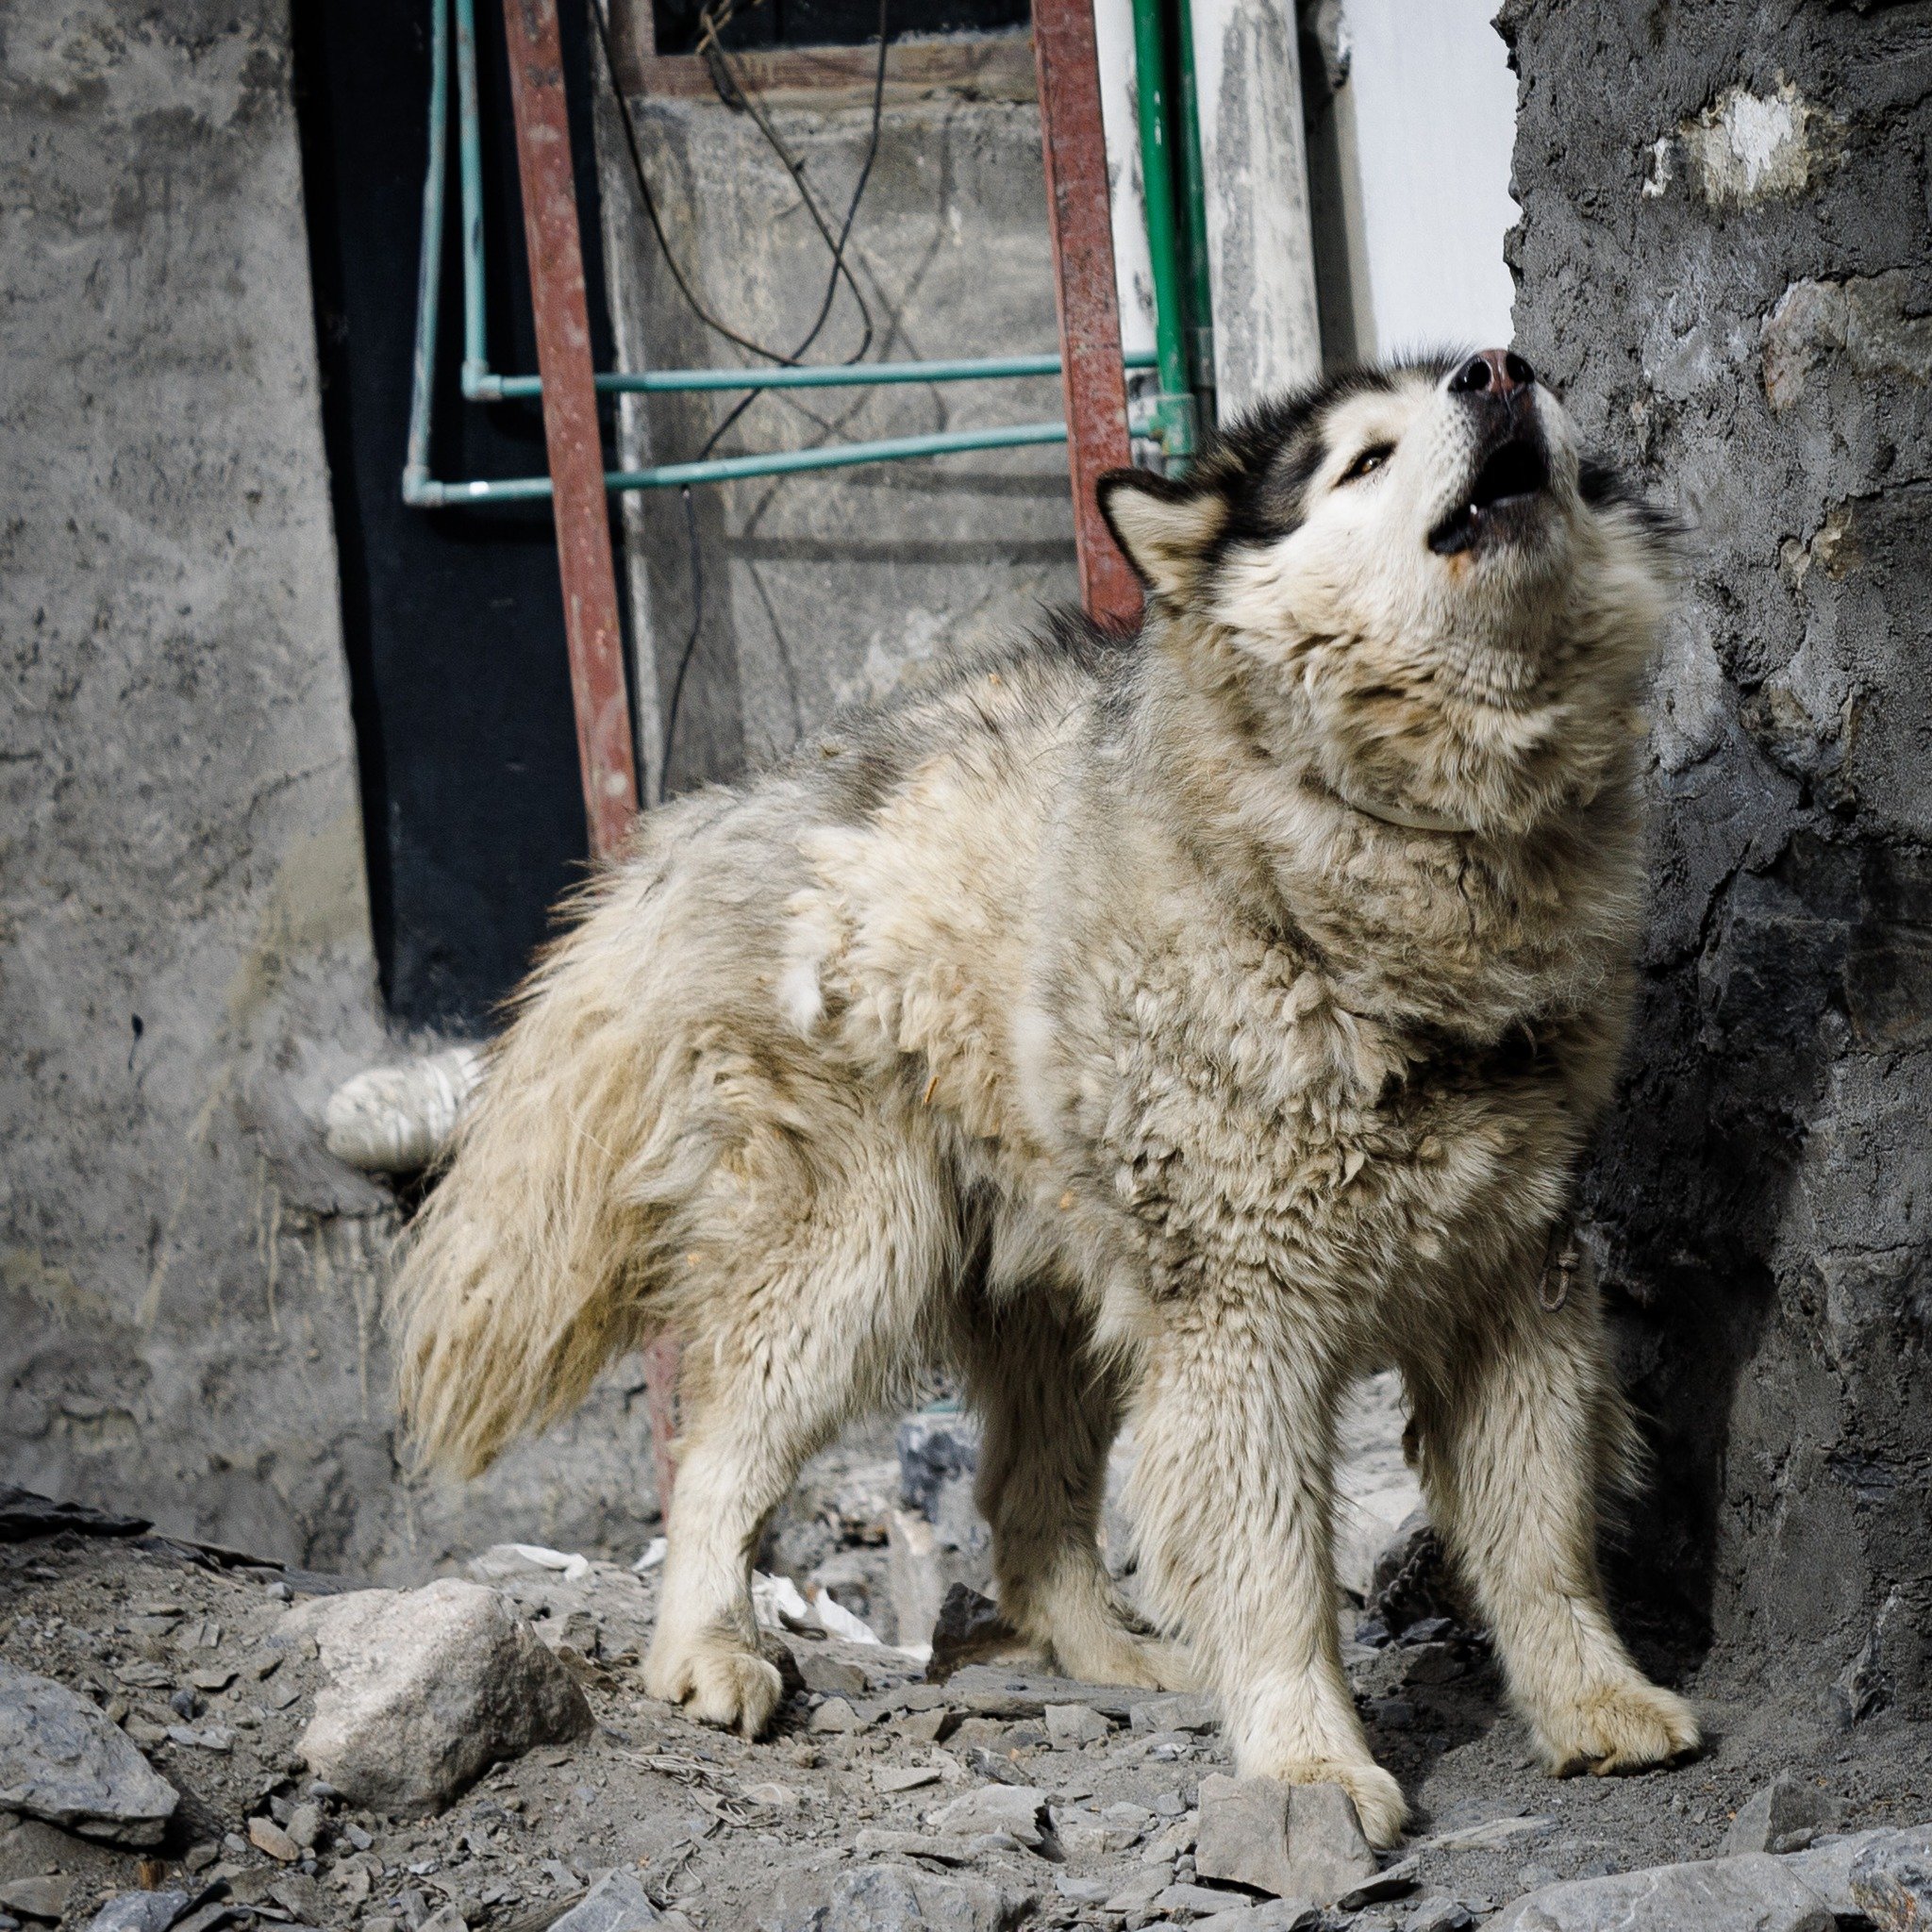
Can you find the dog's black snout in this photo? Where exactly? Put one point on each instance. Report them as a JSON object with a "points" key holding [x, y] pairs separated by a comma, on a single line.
{"points": [[1492, 370]]}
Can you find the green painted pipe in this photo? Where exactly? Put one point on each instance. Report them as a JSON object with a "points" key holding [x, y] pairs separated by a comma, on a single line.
{"points": [[1173, 408], [836, 456], [814, 376], [1200, 324], [429, 267], [422, 491], [470, 158]]}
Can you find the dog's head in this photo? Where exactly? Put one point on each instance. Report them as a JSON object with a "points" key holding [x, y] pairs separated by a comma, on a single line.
{"points": [[1420, 555]]}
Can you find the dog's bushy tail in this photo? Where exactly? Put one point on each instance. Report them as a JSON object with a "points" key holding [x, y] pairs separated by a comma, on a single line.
{"points": [[534, 1260]]}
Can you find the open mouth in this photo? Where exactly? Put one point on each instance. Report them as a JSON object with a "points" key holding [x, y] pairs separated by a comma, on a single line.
{"points": [[1514, 472]]}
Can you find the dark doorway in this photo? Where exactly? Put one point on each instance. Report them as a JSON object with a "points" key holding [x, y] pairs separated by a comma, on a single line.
{"points": [[452, 618]]}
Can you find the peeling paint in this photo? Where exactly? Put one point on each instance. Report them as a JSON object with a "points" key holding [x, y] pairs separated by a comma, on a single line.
{"points": [[1749, 147]]}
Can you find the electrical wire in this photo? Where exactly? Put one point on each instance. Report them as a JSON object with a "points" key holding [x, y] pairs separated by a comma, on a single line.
{"points": [[600, 14], [735, 96]]}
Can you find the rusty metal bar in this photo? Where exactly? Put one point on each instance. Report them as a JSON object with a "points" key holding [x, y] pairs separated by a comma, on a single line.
{"points": [[1078, 206], [571, 434], [570, 422]]}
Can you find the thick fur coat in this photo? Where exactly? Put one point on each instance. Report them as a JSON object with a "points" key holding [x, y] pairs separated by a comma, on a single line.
{"points": [[1168, 1029]]}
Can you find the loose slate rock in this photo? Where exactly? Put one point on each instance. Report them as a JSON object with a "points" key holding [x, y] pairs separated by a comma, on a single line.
{"points": [[427, 1689], [1301, 1841], [988, 1690], [1784, 1817], [1892, 1881], [37, 1898], [1014, 1809], [1271, 1915], [1488, 1833], [139, 1912], [265, 1835], [62, 1761], [1392, 1882], [1075, 1723], [898, 1898], [1754, 1893], [24, 1515], [616, 1904], [1176, 1710]]}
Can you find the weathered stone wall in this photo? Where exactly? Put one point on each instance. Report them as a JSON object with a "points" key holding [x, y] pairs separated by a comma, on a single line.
{"points": [[190, 1285], [1725, 265]]}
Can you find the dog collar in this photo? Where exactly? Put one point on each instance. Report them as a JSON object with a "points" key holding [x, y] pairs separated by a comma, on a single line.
{"points": [[1405, 818]]}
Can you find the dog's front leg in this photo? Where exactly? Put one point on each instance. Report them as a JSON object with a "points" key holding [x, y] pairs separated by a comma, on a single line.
{"points": [[1234, 1439], [1518, 1430]]}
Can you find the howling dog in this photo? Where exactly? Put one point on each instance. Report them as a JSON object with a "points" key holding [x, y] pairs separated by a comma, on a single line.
{"points": [[1165, 1029]]}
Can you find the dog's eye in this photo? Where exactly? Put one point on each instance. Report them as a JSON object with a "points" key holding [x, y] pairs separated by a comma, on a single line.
{"points": [[1371, 458]]}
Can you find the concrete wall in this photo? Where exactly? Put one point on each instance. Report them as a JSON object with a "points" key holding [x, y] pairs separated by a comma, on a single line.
{"points": [[190, 1285], [1726, 264], [823, 587]]}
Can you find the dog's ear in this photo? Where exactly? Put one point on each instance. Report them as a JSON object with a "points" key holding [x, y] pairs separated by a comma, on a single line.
{"points": [[1164, 526]]}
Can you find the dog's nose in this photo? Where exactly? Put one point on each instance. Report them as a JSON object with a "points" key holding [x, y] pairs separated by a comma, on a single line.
{"points": [[1496, 372]]}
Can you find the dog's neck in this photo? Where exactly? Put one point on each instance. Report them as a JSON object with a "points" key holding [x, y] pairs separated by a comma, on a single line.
{"points": [[1473, 925]]}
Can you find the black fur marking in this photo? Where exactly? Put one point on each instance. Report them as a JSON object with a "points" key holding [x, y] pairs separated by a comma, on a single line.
{"points": [[1603, 487], [1260, 463]]}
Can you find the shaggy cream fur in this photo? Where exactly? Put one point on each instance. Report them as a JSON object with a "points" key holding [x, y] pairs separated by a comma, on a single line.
{"points": [[1175, 1027]]}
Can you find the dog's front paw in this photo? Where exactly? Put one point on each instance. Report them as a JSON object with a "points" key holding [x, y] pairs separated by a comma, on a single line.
{"points": [[1123, 1656], [719, 1681], [1379, 1800], [1626, 1726]]}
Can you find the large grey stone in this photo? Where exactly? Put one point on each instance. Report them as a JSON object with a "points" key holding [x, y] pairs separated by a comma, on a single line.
{"points": [[1753, 1893], [898, 1898], [1073, 1725], [1177, 1710], [426, 1690], [615, 1904], [1302, 1841], [1892, 1881], [45, 1896], [61, 1760], [1007, 1692], [1826, 1867], [1015, 1809], [139, 1912], [1269, 1915], [1784, 1817]]}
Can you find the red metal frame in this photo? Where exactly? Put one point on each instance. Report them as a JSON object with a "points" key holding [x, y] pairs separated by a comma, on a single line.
{"points": [[570, 423], [604, 749], [1075, 151], [1079, 208]]}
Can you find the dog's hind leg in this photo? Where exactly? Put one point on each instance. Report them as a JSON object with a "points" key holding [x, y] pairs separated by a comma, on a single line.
{"points": [[1051, 1411], [1517, 1431], [814, 1322], [1232, 1490]]}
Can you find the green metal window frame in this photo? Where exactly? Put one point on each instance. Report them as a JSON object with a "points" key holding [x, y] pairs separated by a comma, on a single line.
{"points": [[1172, 422]]}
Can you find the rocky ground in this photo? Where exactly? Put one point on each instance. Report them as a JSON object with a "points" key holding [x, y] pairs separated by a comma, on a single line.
{"points": [[294, 1723]]}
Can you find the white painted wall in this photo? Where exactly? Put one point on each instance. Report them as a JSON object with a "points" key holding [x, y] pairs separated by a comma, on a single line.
{"points": [[1434, 119]]}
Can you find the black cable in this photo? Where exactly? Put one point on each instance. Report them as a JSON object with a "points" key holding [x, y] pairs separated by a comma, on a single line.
{"points": [[751, 396], [599, 14]]}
